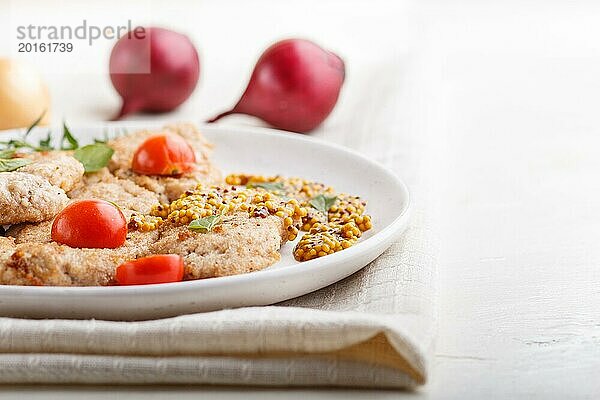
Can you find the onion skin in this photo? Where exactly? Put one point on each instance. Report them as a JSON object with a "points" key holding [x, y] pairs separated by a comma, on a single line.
{"points": [[294, 86], [174, 71], [23, 95]]}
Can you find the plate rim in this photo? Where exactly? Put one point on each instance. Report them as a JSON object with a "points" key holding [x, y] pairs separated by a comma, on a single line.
{"points": [[386, 235]]}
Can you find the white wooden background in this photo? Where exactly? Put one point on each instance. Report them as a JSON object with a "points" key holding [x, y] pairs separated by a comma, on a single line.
{"points": [[512, 92]]}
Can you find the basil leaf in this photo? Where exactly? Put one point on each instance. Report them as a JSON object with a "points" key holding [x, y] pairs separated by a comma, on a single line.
{"points": [[94, 156], [35, 123], [11, 164], [205, 224], [322, 203], [275, 187], [8, 153], [73, 143]]}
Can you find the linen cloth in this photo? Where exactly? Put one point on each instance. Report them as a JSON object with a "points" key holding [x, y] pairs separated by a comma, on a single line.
{"points": [[372, 329]]}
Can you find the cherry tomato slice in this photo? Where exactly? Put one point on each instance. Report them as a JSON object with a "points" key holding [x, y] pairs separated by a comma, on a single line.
{"points": [[161, 268], [164, 154], [90, 224]]}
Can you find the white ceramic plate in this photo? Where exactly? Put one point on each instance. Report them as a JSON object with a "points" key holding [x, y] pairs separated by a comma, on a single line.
{"points": [[250, 150]]}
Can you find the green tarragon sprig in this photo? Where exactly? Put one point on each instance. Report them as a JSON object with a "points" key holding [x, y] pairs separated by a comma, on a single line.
{"points": [[93, 156]]}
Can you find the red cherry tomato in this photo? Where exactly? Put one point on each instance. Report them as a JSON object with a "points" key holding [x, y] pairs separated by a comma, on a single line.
{"points": [[164, 154], [161, 268], [91, 224]]}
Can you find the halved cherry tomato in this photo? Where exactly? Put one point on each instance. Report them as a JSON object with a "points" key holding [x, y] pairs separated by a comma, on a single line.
{"points": [[161, 268], [90, 224], [164, 154]]}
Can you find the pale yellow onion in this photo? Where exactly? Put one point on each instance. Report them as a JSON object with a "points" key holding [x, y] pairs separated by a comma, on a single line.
{"points": [[23, 95]]}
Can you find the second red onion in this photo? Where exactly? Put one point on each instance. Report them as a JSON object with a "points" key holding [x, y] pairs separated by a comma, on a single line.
{"points": [[294, 86]]}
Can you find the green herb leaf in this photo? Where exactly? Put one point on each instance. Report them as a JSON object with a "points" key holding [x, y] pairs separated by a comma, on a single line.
{"points": [[16, 144], [12, 164], [322, 203], [94, 156], [8, 153], [46, 144], [275, 187], [35, 123], [67, 136], [205, 224]]}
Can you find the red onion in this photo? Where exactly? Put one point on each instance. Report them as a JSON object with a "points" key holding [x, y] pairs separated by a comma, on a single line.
{"points": [[174, 68], [294, 86]]}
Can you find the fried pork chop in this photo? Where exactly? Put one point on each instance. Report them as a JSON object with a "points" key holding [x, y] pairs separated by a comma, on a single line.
{"points": [[124, 193], [241, 244], [28, 198], [52, 264], [169, 188], [58, 168], [36, 192]]}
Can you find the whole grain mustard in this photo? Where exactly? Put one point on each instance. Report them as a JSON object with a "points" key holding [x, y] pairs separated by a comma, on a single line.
{"points": [[328, 231]]}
